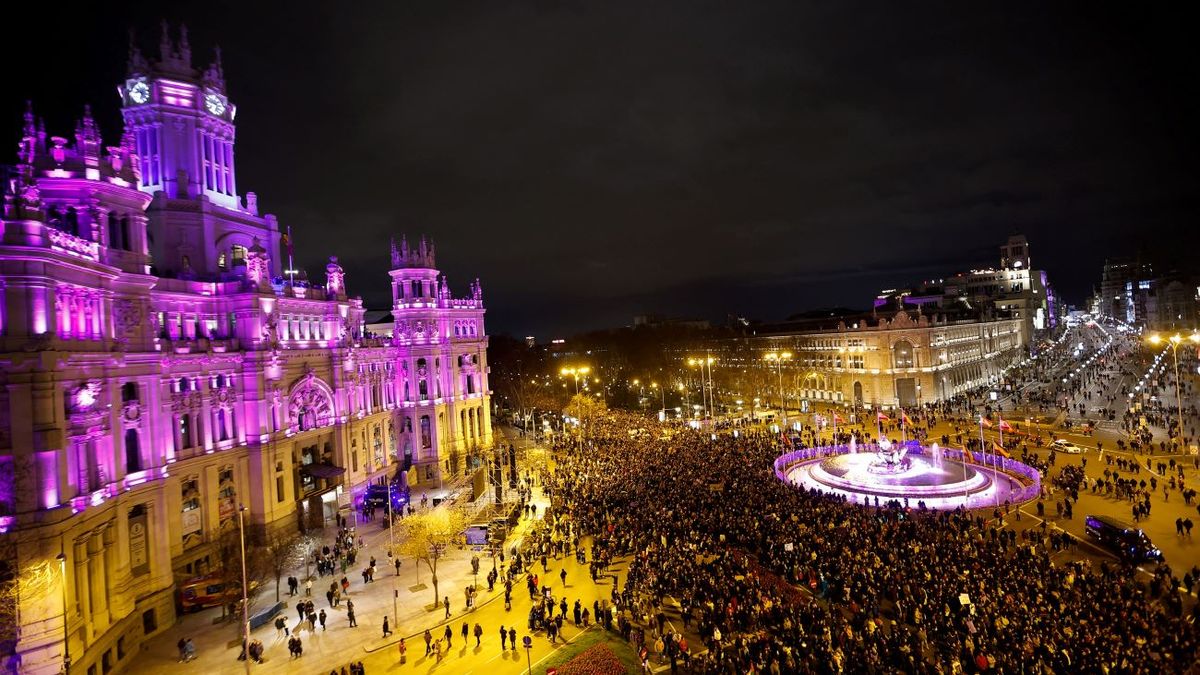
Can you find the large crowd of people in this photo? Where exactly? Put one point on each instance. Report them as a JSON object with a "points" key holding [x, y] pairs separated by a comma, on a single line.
{"points": [[777, 579]]}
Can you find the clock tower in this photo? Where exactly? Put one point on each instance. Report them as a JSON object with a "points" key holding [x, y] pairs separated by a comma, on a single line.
{"points": [[179, 122]]}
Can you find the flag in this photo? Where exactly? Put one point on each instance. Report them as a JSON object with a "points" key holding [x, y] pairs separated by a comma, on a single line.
{"points": [[883, 418], [1005, 426], [985, 422], [969, 455], [905, 419], [999, 449], [838, 419]]}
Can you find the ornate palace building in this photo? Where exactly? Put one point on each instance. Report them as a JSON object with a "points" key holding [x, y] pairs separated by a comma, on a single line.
{"points": [[161, 371]]}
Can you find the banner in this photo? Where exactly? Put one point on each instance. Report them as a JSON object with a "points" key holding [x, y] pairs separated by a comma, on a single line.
{"points": [[139, 545]]}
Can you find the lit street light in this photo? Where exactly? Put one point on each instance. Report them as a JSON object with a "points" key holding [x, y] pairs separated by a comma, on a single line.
{"points": [[778, 358], [1173, 342]]}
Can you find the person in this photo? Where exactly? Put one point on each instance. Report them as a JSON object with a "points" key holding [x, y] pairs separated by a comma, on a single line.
{"points": [[403, 651], [446, 604], [466, 633], [181, 645], [563, 575], [478, 634], [428, 642], [189, 650], [503, 639], [350, 616], [448, 636], [321, 617], [386, 629], [512, 637], [308, 586]]}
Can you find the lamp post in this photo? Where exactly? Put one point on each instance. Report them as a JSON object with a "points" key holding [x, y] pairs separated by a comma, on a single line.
{"points": [[662, 412], [778, 358], [709, 403], [392, 550], [62, 568], [245, 590], [576, 373], [1173, 342]]}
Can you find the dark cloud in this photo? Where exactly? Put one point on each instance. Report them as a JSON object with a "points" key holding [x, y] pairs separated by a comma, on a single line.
{"points": [[590, 161]]}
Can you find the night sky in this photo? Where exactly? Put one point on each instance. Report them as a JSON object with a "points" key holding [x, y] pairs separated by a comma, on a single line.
{"points": [[592, 161]]}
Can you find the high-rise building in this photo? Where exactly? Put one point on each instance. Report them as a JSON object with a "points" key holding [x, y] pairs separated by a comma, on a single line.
{"points": [[164, 376]]}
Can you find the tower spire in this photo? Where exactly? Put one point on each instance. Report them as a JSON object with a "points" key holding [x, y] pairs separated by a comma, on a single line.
{"points": [[185, 49], [164, 43]]}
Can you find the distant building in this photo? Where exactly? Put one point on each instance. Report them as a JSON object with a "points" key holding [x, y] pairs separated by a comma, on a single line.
{"points": [[658, 321], [1014, 290], [890, 358]]}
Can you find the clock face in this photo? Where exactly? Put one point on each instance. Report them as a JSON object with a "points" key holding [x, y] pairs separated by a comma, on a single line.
{"points": [[139, 92], [214, 104]]}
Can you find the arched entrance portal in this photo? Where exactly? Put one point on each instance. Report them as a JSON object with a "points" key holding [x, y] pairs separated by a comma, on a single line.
{"points": [[858, 395]]}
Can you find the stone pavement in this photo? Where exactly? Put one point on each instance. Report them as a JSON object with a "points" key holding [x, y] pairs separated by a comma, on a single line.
{"points": [[218, 642]]}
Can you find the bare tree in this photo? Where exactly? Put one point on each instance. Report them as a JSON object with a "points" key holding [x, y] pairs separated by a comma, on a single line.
{"points": [[429, 534], [283, 550]]}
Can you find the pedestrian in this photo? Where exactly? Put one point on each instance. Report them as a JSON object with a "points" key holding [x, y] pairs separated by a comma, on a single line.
{"points": [[478, 634], [503, 639], [403, 651], [386, 630], [428, 641], [512, 637], [446, 604], [321, 618], [466, 632], [563, 575], [308, 586], [350, 618], [448, 636]]}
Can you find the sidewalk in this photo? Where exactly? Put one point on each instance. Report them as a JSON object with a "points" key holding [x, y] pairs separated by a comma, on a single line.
{"points": [[218, 643]]}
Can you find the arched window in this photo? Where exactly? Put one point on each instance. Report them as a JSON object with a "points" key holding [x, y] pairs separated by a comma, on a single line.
{"points": [[902, 354], [422, 379]]}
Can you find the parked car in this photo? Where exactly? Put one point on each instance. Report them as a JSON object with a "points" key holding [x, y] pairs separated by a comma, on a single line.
{"points": [[1062, 445], [1127, 541]]}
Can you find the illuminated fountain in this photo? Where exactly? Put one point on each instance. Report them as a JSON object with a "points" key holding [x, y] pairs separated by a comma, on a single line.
{"points": [[909, 471]]}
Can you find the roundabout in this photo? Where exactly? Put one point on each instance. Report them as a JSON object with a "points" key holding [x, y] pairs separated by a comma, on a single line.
{"points": [[910, 473]]}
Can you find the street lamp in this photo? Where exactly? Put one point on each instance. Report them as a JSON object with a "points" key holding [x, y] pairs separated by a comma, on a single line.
{"points": [[1173, 342], [245, 590], [576, 373], [662, 412], [392, 550], [778, 358], [710, 402], [62, 568]]}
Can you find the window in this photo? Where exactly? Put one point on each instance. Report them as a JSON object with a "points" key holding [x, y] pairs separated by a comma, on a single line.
{"points": [[239, 255], [129, 392], [902, 354], [133, 453], [149, 622], [185, 431]]}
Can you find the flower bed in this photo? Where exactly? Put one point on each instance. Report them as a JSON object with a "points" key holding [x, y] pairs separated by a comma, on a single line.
{"points": [[595, 660]]}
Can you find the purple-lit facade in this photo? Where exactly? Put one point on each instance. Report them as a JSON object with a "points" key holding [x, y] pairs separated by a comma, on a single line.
{"points": [[161, 368]]}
